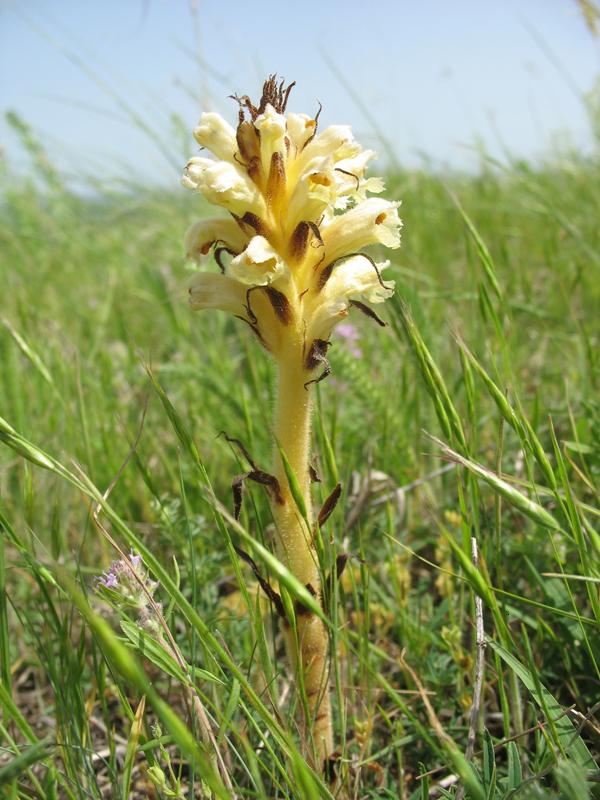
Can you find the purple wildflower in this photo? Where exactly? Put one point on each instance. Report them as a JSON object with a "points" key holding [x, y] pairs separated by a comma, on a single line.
{"points": [[132, 588], [348, 332], [110, 581]]}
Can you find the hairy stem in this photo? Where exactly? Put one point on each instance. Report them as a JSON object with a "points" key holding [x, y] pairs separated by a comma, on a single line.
{"points": [[309, 653]]}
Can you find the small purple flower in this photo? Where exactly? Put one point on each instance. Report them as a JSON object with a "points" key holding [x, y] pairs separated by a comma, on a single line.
{"points": [[130, 588], [110, 581], [348, 332]]}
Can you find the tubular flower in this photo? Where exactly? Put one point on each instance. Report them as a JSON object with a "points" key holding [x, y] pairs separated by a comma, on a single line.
{"points": [[292, 263], [300, 220]]}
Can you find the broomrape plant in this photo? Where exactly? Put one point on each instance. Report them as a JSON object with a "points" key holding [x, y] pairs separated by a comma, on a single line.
{"points": [[291, 265]]}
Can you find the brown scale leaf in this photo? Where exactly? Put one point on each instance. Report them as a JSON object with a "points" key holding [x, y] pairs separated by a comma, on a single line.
{"points": [[241, 447], [299, 241], [270, 482], [280, 303], [299, 607], [329, 505], [251, 220], [255, 329], [263, 582], [317, 354], [340, 566]]}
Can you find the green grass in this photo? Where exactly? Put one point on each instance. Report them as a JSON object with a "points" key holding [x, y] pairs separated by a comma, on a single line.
{"points": [[479, 403]]}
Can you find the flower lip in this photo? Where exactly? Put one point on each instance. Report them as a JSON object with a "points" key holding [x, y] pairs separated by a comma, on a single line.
{"points": [[210, 290], [259, 264], [372, 221], [355, 278], [203, 234], [223, 184], [300, 128], [217, 135]]}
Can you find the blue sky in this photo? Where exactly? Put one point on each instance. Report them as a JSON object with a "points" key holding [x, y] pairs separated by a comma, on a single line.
{"points": [[433, 77]]}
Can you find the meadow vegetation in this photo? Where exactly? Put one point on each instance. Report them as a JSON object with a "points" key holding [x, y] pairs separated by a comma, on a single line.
{"points": [[466, 437]]}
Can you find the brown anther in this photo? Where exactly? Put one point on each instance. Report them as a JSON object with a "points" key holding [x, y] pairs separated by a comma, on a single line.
{"points": [[320, 179], [380, 218], [280, 303], [276, 179]]}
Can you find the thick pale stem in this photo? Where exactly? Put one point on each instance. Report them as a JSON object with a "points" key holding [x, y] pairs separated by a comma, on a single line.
{"points": [[294, 540]]}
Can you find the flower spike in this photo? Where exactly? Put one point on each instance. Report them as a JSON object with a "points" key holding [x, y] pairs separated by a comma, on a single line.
{"points": [[292, 265], [300, 207]]}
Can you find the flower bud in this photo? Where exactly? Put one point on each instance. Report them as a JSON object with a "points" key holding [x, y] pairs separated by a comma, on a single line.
{"points": [[217, 135]]}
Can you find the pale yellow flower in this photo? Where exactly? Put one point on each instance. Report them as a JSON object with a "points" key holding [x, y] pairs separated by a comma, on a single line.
{"points": [[292, 264]]}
